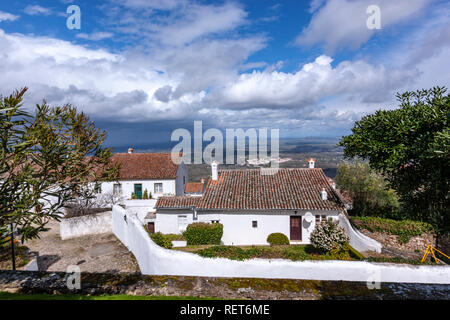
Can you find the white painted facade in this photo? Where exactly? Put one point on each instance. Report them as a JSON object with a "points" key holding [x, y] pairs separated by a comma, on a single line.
{"points": [[170, 187], [238, 227]]}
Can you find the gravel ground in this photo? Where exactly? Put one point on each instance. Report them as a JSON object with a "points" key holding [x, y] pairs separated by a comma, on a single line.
{"points": [[96, 253]]}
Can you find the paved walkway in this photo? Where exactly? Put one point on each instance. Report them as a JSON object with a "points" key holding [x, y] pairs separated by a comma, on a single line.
{"points": [[96, 253]]}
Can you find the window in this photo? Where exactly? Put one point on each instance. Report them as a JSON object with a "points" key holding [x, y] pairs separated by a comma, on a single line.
{"points": [[324, 218], [255, 224], [317, 219], [117, 189], [158, 188], [182, 223]]}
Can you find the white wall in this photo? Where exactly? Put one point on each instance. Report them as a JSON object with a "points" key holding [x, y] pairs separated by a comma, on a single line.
{"points": [[154, 260], [358, 240], [140, 207], [169, 187], [85, 225], [237, 227]]}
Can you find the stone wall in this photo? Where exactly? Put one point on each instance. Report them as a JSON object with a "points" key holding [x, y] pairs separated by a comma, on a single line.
{"points": [[415, 244], [223, 288]]}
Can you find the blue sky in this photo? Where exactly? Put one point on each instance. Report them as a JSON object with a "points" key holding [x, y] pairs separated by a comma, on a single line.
{"points": [[142, 68]]}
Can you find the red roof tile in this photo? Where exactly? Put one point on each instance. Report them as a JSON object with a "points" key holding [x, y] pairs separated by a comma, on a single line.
{"points": [[288, 189], [193, 187], [145, 166], [178, 202]]}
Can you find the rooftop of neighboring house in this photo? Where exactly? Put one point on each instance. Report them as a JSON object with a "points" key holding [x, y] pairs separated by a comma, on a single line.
{"points": [[249, 189], [194, 187], [145, 165]]}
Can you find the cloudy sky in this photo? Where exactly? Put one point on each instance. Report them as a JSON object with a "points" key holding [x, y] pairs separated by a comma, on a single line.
{"points": [[142, 68]]}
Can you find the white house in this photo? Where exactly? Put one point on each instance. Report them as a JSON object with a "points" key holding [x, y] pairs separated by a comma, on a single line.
{"points": [[251, 205], [154, 172]]}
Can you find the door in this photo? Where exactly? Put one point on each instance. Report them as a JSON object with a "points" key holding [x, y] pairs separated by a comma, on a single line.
{"points": [[138, 190], [151, 227], [296, 228]]}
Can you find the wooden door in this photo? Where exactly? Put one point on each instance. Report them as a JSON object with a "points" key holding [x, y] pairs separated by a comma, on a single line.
{"points": [[151, 227], [296, 228], [138, 190]]}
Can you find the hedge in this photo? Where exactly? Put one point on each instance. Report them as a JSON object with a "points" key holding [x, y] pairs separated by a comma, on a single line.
{"points": [[203, 233], [161, 240], [276, 239]]}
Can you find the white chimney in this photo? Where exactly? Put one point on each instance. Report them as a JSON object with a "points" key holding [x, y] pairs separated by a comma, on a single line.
{"points": [[333, 185], [130, 150], [214, 170], [324, 194], [311, 163]]}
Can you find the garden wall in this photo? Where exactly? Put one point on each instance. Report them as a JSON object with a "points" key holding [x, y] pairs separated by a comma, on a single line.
{"points": [[154, 260], [85, 225]]}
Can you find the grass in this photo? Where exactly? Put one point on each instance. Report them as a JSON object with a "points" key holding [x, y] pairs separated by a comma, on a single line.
{"points": [[22, 256], [23, 296]]}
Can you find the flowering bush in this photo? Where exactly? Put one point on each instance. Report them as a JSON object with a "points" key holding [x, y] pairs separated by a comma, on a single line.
{"points": [[328, 236]]}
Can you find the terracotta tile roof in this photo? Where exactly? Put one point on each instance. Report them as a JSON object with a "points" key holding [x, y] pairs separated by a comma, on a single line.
{"points": [[145, 166], [193, 187], [288, 189], [178, 202]]}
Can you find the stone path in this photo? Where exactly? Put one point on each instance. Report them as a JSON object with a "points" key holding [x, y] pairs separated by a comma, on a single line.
{"points": [[95, 253]]}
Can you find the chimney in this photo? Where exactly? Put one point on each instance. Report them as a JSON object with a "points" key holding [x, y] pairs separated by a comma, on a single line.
{"points": [[324, 194], [333, 185], [214, 170], [311, 163], [202, 181], [130, 150]]}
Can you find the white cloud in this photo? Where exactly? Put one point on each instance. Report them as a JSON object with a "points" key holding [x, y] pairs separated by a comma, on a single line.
{"points": [[5, 16], [34, 10], [96, 36], [342, 23]]}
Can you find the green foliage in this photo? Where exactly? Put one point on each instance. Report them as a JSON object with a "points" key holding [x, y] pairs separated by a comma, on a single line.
{"points": [[175, 237], [203, 233], [404, 229], [161, 240], [368, 189], [47, 159], [133, 196], [145, 195], [276, 239], [327, 236], [410, 145], [291, 252]]}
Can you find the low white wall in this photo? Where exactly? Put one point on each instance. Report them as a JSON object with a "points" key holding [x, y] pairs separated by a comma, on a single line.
{"points": [[140, 207], [85, 225], [154, 260], [358, 240]]}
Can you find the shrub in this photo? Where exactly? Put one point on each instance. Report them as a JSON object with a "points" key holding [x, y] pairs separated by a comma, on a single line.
{"points": [[133, 195], [161, 240], [328, 236], [203, 233], [276, 239], [145, 195]]}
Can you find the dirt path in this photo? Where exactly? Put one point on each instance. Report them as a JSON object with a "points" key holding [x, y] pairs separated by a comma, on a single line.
{"points": [[96, 253]]}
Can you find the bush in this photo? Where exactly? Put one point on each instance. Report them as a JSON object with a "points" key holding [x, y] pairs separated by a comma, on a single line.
{"points": [[277, 239], [161, 240], [203, 233], [328, 236], [404, 229], [145, 195]]}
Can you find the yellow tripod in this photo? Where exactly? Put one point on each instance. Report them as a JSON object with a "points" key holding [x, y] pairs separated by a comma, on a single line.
{"points": [[431, 249]]}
